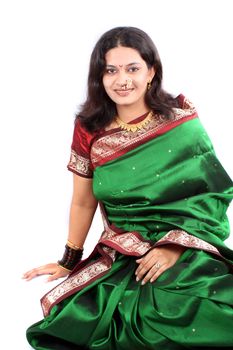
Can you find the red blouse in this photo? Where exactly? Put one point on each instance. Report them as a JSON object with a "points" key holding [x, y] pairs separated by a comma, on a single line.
{"points": [[80, 160]]}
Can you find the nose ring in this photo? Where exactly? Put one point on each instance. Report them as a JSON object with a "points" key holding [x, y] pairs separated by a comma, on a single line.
{"points": [[128, 83]]}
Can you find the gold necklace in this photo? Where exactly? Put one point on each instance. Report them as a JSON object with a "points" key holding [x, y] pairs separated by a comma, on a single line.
{"points": [[136, 126]]}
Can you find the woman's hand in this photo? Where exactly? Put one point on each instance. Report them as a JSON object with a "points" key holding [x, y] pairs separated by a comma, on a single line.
{"points": [[53, 269], [156, 261]]}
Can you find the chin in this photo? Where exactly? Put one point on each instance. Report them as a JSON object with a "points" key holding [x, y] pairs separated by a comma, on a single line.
{"points": [[124, 101]]}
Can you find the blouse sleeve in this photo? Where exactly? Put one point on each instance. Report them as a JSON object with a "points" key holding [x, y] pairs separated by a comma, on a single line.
{"points": [[80, 161]]}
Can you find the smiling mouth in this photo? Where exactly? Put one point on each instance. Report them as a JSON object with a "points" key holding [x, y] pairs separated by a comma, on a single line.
{"points": [[123, 90]]}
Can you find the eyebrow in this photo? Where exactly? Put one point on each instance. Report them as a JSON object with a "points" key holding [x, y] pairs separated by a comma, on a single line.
{"points": [[127, 65]]}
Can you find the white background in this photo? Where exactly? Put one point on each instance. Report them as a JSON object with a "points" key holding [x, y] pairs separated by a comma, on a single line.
{"points": [[45, 49]]}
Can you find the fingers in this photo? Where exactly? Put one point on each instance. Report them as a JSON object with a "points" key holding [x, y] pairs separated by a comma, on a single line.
{"points": [[60, 272], [29, 275], [54, 277], [146, 258], [156, 261], [150, 271], [154, 273], [151, 266], [144, 265], [53, 270]]}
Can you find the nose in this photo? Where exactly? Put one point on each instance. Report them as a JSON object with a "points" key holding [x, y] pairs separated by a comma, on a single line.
{"points": [[123, 80]]}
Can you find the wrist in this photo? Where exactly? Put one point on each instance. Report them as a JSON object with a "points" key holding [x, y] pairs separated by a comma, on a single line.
{"points": [[71, 257], [63, 268], [74, 246]]}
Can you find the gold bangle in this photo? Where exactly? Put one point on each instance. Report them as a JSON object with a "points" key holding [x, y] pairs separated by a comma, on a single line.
{"points": [[73, 246], [64, 268]]}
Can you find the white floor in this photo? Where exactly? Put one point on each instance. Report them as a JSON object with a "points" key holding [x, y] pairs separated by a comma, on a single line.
{"points": [[20, 308]]}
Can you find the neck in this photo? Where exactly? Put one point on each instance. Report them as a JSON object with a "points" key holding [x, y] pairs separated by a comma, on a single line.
{"points": [[128, 113]]}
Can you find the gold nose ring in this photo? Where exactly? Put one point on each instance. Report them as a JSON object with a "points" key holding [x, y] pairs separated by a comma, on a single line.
{"points": [[128, 83]]}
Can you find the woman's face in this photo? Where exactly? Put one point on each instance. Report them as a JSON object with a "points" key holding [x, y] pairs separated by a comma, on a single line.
{"points": [[126, 76]]}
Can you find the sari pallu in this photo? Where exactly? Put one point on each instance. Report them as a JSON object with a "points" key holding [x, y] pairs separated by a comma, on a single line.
{"points": [[173, 182], [168, 188]]}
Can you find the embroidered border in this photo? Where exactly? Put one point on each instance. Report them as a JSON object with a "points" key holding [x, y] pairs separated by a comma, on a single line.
{"points": [[183, 238], [79, 164], [127, 243], [110, 145], [131, 243], [78, 281]]}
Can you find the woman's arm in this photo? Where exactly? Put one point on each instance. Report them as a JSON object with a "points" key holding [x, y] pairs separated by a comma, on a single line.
{"points": [[82, 210]]}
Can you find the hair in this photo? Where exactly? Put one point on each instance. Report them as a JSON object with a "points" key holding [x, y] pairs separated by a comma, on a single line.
{"points": [[99, 110]]}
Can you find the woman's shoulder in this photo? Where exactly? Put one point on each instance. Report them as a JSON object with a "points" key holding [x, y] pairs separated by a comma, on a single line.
{"points": [[185, 103], [185, 108], [82, 133]]}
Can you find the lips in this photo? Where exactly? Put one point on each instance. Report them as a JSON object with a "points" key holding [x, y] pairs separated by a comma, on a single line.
{"points": [[124, 92]]}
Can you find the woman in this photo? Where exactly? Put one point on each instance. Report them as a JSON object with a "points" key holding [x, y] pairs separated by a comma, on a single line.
{"points": [[160, 275]]}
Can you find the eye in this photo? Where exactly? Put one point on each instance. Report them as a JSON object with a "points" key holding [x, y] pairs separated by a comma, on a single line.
{"points": [[133, 69], [110, 70]]}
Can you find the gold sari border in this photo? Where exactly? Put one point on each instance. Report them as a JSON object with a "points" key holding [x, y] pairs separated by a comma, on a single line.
{"points": [[79, 165], [184, 239], [79, 278], [112, 145]]}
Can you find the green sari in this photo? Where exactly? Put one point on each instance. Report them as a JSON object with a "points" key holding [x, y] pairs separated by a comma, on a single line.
{"points": [[160, 185]]}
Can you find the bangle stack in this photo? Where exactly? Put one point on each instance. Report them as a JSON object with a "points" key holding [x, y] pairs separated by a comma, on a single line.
{"points": [[72, 255]]}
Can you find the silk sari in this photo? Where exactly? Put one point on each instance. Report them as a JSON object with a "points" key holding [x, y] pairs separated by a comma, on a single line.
{"points": [[159, 185]]}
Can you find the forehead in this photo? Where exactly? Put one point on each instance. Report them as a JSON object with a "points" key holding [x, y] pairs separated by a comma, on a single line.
{"points": [[122, 56]]}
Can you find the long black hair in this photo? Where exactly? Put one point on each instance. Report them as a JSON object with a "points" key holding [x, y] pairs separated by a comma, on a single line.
{"points": [[99, 110]]}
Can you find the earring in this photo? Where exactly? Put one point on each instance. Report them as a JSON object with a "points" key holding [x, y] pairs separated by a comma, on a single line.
{"points": [[149, 85]]}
